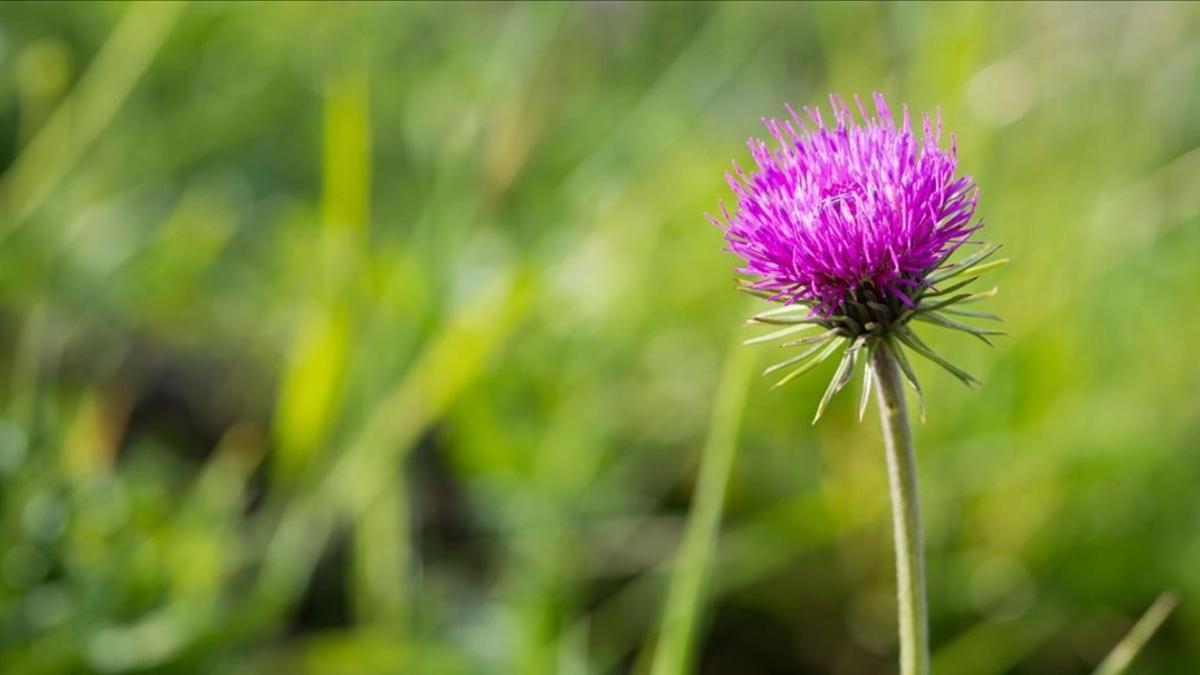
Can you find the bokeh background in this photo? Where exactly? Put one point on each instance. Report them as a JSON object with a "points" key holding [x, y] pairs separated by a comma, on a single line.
{"points": [[380, 338]]}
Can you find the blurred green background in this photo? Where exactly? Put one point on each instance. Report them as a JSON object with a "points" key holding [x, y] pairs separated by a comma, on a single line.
{"points": [[390, 338]]}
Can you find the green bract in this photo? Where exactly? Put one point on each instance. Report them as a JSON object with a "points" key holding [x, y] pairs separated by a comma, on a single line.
{"points": [[867, 316]]}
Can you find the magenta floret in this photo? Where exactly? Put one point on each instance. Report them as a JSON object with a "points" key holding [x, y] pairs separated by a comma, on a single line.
{"points": [[836, 210]]}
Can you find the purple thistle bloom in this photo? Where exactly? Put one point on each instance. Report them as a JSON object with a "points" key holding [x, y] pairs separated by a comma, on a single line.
{"points": [[851, 227], [838, 211]]}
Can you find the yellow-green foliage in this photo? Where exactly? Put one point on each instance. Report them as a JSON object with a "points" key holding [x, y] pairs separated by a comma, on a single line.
{"points": [[369, 338]]}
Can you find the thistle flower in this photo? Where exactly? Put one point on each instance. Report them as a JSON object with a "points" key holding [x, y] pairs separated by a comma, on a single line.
{"points": [[851, 228]]}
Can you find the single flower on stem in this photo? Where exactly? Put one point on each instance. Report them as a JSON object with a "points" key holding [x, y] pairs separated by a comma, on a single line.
{"points": [[850, 227]]}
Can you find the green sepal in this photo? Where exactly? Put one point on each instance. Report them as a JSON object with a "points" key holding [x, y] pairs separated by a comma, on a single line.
{"points": [[944, 322], [881, 312], [786, 309], [775, 335], [978, 297], [795, 359], [980, 270], [910, 338], [909, 374], [765, 295], [820, 337], [864, 319], [868, 378], [829, 349], [973, 314], [841, 376], [955, 269], [946, 302], [784, 321], [949, 289], [852, 324]]}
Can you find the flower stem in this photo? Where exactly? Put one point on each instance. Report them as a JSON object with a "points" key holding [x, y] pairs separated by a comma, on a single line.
{"points": [[906, 512]]}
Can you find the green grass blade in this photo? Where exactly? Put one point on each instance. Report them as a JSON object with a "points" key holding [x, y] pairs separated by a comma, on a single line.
{"points": [[689, 576], [85, 113], [1122, 655]]}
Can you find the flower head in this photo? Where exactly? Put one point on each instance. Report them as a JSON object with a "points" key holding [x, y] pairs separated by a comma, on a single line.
{"points": [[850, 225], [836, 209]]}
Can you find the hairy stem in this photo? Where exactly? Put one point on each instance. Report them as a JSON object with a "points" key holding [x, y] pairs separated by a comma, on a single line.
{"points": [[906, 512]]}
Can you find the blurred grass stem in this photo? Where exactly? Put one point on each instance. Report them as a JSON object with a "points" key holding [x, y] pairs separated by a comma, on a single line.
{"points": [[688, 591], [906, 513], [1122, 655]]}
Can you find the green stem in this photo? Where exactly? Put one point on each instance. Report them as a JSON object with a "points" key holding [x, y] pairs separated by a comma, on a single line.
{"points": [[1119, 659], [906, 512]]}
